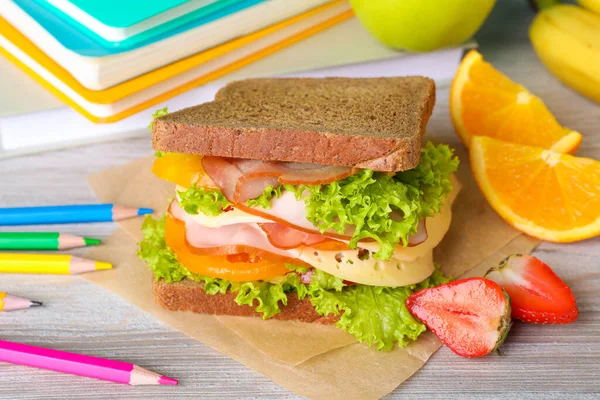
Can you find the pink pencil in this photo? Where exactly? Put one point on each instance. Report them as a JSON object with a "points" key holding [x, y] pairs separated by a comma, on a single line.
{"points": [[77, 364]]}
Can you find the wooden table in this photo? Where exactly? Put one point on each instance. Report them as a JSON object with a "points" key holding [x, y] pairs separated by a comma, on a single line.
{"points": [[541, 361]]}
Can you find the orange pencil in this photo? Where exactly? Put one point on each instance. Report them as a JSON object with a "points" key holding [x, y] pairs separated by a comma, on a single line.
{"points": [[9, 302]]}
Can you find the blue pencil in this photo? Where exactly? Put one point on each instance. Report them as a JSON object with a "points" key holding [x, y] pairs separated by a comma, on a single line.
{"points": [[68, 214]]}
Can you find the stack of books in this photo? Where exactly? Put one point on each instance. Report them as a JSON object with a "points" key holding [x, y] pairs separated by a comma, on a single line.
{"points": [[114, 62], [110, 59]]}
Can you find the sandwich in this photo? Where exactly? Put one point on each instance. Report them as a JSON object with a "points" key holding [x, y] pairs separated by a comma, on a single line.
{"points": [[312, 200]]}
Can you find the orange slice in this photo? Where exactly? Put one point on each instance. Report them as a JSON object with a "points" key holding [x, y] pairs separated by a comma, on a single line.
{"points": [[485, 102], [545, 194]]}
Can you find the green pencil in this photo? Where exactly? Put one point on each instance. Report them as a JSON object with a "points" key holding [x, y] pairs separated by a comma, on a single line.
{"points": [[42, 241]]}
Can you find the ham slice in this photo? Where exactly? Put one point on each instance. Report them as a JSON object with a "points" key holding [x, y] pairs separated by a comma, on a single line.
{"points": [[241, 180], [306, 277], [286, 210], [284, 237], [420, 236], [226, 239]]}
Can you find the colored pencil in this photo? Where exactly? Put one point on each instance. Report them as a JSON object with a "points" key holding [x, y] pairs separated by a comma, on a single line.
{"points": [[43, 241], [11, 303], [68, 214], [61, 264], [78, 364]]}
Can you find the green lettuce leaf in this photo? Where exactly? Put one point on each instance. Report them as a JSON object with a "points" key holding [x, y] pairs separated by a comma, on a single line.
{"points": [[297, 268], [157, 114], [367, 198], [431, 176], [375, 315], [269, 295], [264, 200], [154, 251], [323, 280], [198, 199]]}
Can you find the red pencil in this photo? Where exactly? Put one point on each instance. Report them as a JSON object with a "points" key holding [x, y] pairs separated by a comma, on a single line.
{"points": [[77, 364]]}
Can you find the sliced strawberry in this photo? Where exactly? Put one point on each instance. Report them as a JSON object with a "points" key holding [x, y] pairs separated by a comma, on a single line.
{"points": [[470, 316], [538, 295]]}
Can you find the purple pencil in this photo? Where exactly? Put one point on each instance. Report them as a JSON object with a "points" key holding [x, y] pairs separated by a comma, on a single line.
{"points": [[77, 364]]}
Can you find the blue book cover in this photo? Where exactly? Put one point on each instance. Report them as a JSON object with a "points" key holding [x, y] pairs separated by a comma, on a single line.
{"points": [[81, 40], [119, 13]]}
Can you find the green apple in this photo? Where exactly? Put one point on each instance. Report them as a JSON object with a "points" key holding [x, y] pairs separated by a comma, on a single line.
{"points": [[422, 25]]}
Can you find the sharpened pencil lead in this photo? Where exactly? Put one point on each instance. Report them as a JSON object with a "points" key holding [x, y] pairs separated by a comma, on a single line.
{"points": [[165, 380], [91, 241], [144, 211], [36, 303], [103, 265]]}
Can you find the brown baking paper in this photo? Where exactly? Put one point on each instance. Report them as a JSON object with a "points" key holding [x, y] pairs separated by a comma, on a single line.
{"points": [[309, 359]]}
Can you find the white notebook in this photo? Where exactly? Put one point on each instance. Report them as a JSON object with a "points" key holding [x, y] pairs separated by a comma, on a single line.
{"points": [[98, 73], [64, 127]]}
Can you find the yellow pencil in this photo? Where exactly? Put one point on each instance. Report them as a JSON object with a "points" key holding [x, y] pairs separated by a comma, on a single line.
{"points": [[61, 264]]}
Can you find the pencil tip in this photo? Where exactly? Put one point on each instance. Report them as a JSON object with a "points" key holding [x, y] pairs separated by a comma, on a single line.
{"points": [[91, 241], [165, 380], [36, 303], [144, 211], [103, 265]]}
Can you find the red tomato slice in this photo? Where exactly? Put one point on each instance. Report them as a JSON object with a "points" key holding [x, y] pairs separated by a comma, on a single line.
{"points": [[241, 267]]}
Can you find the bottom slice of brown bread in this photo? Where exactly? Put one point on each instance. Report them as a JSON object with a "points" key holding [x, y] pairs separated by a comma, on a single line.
{"points": [[188, 295]]}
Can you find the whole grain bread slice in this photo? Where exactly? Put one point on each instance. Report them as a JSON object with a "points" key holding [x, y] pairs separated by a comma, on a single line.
{"points": [[188, 295], [374, 123]]}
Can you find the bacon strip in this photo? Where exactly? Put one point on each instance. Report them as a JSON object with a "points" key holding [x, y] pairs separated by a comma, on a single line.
{"points": [[241, 180], [223, 173], [313, 174]]}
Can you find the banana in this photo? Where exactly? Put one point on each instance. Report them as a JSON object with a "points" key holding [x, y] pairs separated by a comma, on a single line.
{"points": [[592, 5], [566, 38]]}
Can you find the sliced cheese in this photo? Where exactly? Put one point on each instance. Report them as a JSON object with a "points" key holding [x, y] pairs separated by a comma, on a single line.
{"points": [[346, 265]]}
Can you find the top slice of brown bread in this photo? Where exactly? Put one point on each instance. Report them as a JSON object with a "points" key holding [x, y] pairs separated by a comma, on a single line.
{"points": [[374, 123]]}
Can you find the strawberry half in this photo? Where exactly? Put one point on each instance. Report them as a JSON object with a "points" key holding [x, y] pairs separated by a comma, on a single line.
{"points": [[538, 295], [470, 316]]}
